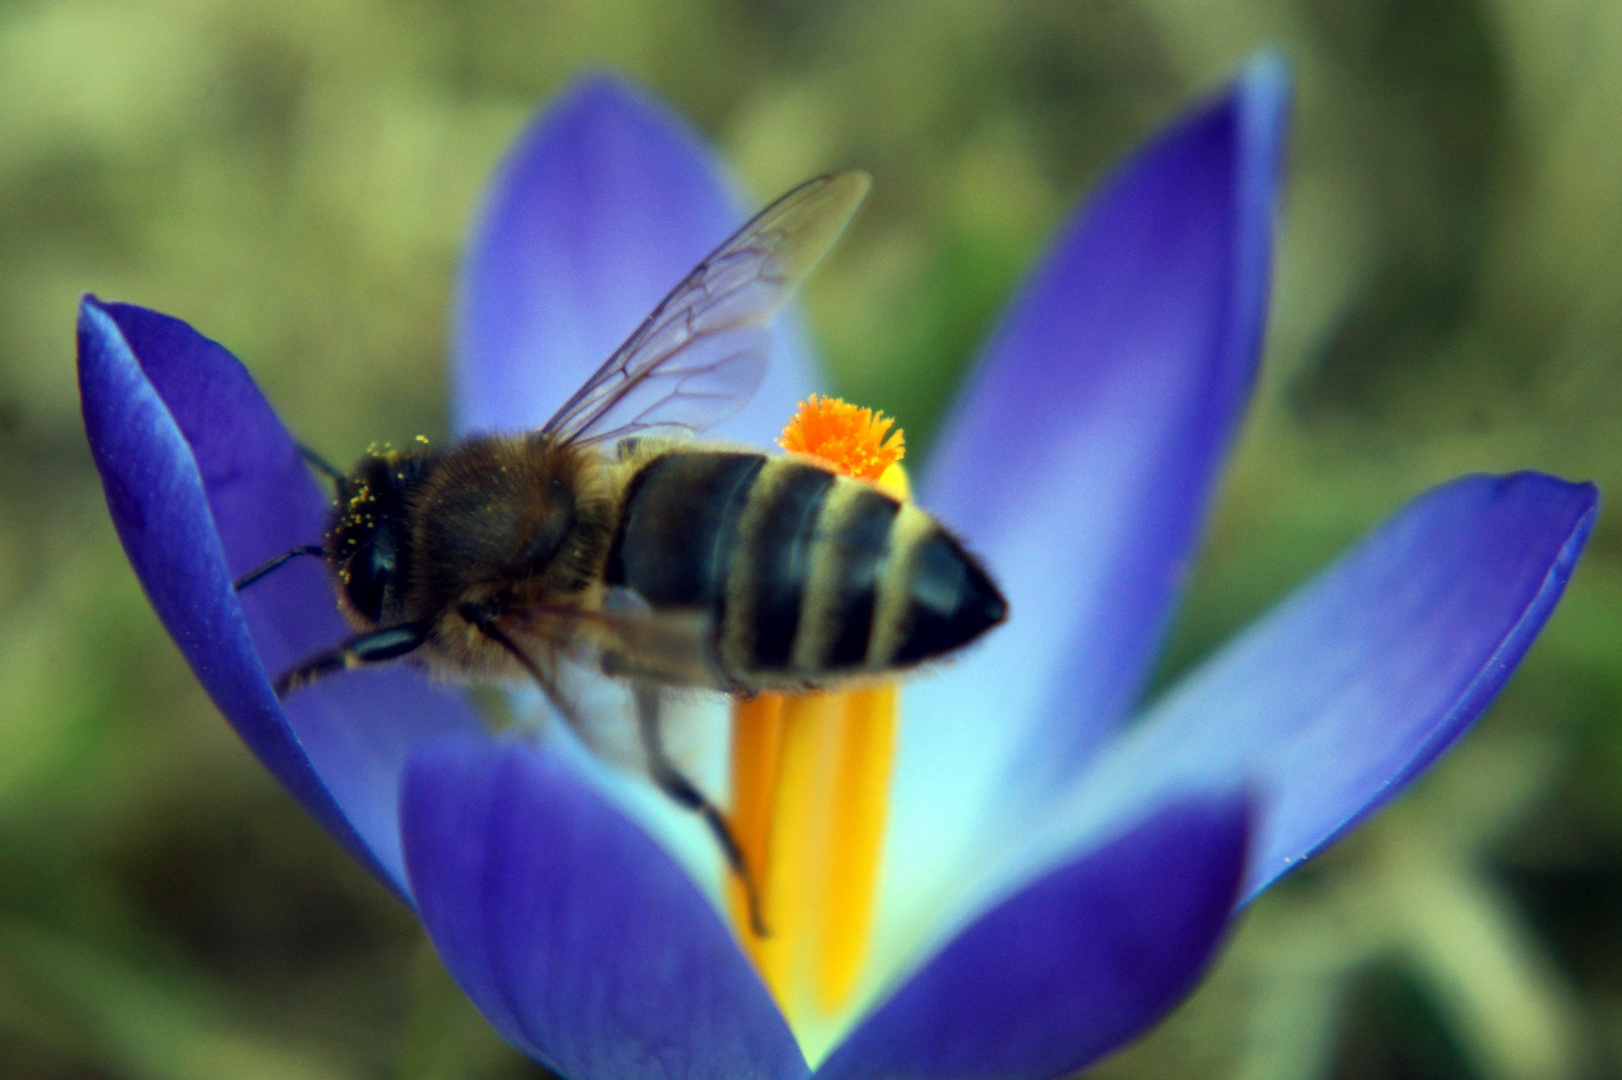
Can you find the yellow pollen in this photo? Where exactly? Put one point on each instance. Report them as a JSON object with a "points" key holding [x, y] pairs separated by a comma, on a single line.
{"points": [[855, 441], [810, 784]]}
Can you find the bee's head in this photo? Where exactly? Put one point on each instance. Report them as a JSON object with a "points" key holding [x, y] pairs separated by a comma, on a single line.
{"points": [[367, 542]]}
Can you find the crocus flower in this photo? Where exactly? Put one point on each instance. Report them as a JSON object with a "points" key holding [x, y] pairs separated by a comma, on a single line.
{"points": [[1054, 878]]}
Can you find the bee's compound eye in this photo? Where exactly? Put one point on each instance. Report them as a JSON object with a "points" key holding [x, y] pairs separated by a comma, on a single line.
{"points": [[371, 530], [370, 571]]}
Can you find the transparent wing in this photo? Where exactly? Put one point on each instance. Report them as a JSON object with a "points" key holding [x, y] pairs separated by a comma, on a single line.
{"points": [[600, 710], [625, 638], [589, 663], [702, 354]]}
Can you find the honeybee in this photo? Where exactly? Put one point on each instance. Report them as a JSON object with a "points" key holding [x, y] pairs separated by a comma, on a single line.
{"points": [[605, 544]]}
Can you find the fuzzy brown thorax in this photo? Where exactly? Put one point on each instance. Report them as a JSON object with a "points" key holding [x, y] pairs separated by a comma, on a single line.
{"points": [[497, 521]]}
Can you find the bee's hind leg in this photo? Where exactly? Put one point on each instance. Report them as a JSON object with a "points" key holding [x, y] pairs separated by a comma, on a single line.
{"points": [[684, 793], [661, 770], [373, 647]]}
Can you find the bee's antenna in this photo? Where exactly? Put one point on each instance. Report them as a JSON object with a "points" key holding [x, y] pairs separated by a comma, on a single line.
{"points": [[285, 557], [333, 473]]}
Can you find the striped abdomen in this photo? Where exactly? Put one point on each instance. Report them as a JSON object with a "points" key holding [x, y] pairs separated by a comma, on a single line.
{"points": [[807, 576]]}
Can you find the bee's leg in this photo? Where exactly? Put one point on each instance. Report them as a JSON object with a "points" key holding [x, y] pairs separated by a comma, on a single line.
{"points": [[373, 647], [661, 770], [485, 617], [675, 784], [275, 564]]}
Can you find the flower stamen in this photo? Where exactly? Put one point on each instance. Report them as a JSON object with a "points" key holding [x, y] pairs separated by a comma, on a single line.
{"points": [[811, 775]]}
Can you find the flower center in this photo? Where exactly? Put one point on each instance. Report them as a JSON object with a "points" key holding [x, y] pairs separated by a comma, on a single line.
{"points": [[811, 777]]}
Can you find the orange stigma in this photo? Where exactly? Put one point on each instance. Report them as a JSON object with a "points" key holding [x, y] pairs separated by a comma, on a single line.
{"points": [[855, 441]]}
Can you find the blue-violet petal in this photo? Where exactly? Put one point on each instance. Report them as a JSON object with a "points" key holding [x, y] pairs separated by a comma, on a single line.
{"points": [[1080, 461], [1349, 689], [1071, 966], [204, 483], [574, 933], [604, 203]]}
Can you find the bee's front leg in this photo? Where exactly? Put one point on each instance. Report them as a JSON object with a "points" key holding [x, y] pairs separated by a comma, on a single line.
{"points": [[373, 647]]}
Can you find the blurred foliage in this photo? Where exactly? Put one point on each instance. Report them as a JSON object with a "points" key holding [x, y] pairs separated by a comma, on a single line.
{"points": [[295, 178]]}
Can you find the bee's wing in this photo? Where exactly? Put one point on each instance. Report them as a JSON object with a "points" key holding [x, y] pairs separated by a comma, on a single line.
{"points": [[601, 711], [589, 662], [626, 638], [702, 354]]}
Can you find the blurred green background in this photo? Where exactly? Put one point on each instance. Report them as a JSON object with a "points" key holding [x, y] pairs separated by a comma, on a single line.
{"points": [[295, 179]]}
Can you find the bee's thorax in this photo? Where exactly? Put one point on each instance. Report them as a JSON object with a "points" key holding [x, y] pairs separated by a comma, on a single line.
{"points": [[496, 521]]}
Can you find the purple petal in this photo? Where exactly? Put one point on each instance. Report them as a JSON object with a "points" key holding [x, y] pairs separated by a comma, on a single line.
{"points": [[1070, 967], [1082, 454], [204, 483], [605, 203], [578, 937], [1352, 687], [1080, 462]]}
